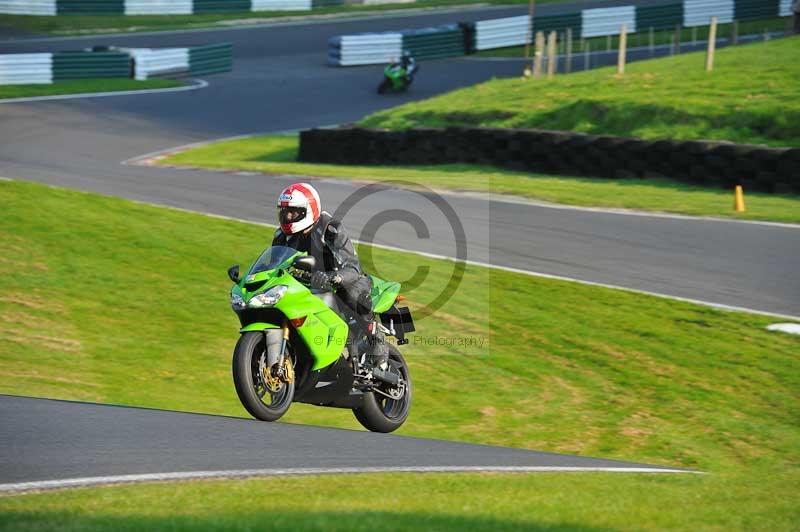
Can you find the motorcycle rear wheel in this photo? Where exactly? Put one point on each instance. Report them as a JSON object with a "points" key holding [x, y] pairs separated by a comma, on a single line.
{"points": [[381, 414], [256, 398]]}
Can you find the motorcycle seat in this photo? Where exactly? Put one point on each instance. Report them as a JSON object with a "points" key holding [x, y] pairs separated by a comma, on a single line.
{"points": [[383, 294]]}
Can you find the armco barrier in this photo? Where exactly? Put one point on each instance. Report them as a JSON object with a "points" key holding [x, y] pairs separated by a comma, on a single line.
{"points": [[18, 69], [139, 63], [367, 49], [90, 65], [151, 63], [211, 59], [434, 43], [562, 153], [156, 7]]}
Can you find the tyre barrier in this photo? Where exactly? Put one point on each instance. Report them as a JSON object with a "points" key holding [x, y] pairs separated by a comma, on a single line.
{"points": [[427, 43], [136, 63], [706, 163]]}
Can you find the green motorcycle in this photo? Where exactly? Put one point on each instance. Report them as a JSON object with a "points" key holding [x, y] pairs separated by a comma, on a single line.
{"points": [[300, 343], [397, 78]]}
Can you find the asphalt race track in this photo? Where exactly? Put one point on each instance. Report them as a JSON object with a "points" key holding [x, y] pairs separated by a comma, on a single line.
{"points": [[45, 440]]}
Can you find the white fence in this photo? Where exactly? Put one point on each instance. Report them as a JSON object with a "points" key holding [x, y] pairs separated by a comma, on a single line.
{"points": [[786, 8], [24, 69], [501, 32]]}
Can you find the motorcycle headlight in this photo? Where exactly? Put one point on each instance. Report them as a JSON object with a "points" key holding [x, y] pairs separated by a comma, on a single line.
{"points": [[268, 298], [237, 303]]}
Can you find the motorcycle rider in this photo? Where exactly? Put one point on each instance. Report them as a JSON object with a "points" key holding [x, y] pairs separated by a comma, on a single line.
{"points": [[408, 64], [304, 226]]}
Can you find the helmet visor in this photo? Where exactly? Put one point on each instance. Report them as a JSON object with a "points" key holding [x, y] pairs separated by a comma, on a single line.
{"points": [[290, 215]]}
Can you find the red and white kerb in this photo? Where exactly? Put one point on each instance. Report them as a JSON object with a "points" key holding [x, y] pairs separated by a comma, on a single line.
{"points": [[300, 195]]}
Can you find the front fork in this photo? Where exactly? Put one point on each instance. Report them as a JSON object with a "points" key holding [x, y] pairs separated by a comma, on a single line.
{"points": [[276, 347]]}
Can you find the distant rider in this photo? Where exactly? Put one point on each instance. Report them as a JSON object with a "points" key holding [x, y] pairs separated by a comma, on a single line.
{"points": [[304, 226], [408, 64]]}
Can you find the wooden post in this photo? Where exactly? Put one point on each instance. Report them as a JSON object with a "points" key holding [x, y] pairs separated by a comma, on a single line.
{"points": [[712, 44], [652, 41], [608, 43], [568, 51], [623, 45], [551, 54], [766, 34], [537, 55], [587, 56], [694, 35], [529, 32], [678, 39], [735, 33]]}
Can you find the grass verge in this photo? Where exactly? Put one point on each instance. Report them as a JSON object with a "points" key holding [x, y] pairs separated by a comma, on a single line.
{"points": [[107, 300], [84, 86], [87, 24], [552, 502], [750, 98], [278, 155]]}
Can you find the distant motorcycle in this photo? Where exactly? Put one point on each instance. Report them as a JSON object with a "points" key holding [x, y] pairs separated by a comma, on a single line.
{"points": [[397, 78]]}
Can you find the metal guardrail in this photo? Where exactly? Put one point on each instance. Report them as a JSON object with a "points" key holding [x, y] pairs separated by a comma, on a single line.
{"points": [[155, 7], [90, 65], [158, 7], [28, 7], [17, 69], [150, 63], [367, 49], [138, 63], [450, 40], [281, 5], [501, 32], [211, 59], [607, 21]]}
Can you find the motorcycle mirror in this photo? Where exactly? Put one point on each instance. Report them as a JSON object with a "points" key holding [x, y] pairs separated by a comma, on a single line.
{"points": [[306, 263], [233, 273]]}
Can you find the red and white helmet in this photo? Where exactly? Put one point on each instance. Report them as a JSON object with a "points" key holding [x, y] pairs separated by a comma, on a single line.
{"points": [[298, 208]]}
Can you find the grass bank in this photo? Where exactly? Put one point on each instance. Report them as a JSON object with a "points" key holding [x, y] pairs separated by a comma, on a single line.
{"points": [[96, 294], [278, 155], [84, 86], [751, 97], [553, 502]]}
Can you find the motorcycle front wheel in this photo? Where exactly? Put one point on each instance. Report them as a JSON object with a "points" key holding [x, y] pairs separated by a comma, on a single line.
{"points": [[384, 86], [379, 413], [258, 393]]}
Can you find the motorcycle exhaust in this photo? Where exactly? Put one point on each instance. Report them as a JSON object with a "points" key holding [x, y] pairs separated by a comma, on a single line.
{"points": [[386, 376]]}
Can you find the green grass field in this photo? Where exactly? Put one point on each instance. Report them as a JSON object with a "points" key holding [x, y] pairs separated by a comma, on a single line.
{"points": [[84, 86], [107, 300], [751, 97]]}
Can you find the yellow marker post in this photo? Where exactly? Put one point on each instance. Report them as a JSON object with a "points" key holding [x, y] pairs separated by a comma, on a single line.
{"points": [[738, 203]]}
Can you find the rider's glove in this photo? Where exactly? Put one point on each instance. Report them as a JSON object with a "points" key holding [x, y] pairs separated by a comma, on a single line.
{"points": [[321, 279]]}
